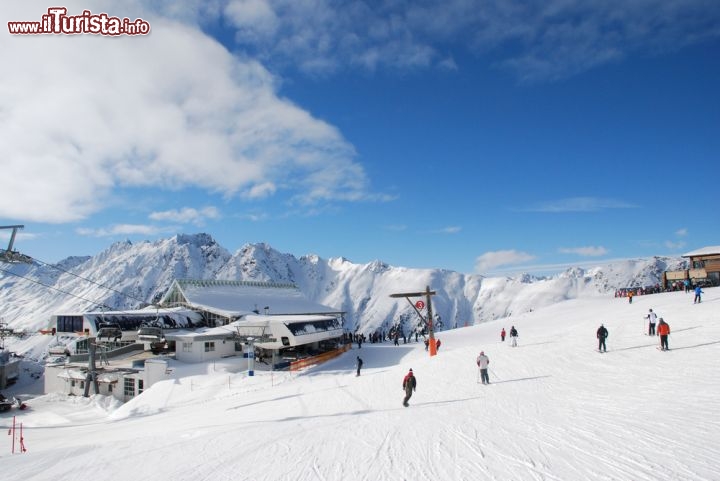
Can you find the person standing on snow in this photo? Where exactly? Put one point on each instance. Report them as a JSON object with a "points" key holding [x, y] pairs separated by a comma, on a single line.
{"points": [[652, 319], [602, 334], [359, 365], [483, 361], [663, 332], [502, 335], [409, 384], [513, 336], [698, 292]]}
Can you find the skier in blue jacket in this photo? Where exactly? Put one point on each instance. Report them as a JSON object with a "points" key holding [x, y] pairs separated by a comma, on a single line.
{"points": [[698, 291]]}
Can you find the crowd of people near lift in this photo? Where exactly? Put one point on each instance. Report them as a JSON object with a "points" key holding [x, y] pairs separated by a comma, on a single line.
{"points": [[680, 285], [381, 336]]}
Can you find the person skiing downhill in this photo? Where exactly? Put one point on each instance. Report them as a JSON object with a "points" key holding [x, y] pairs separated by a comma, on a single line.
{"points": [[483, 361], [602, 334], [513, 336], [502, 335], [409, 384], [652, 319], [663, 332], [359, 365], [698, 293]]}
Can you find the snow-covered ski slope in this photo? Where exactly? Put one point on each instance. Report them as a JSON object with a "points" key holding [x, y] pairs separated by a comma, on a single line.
{"points": [[556, 410]]}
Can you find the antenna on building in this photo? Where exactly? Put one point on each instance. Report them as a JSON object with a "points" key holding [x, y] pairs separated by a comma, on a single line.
{"points": [[9, 255]]}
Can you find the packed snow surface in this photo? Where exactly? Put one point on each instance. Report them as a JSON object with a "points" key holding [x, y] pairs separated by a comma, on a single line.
{"points": [[556, 409]]}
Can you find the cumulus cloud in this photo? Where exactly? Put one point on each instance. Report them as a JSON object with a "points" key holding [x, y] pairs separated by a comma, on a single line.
{"points": [[589, 251], [84, 115], [491, 260]]}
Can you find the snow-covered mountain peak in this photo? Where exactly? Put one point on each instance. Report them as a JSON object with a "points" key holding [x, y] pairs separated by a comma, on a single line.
{"points": [[129, 275]]}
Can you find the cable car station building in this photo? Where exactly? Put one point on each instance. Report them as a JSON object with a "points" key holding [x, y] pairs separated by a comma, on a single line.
{"points": [[280, 321], [203, 320]]}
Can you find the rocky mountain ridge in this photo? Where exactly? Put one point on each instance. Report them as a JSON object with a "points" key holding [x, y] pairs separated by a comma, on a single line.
{"points": [[127, 276]]}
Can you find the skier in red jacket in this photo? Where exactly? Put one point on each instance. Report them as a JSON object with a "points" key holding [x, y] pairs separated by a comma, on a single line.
{"points": [[409, 384]]}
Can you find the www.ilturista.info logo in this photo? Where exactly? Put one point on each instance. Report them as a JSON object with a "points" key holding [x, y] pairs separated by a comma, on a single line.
{"points": [[58, 22]]}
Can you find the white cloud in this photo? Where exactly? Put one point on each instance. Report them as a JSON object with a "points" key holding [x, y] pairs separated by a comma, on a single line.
{"points": [[536, 40], [579, 204], [187, 215], [448, 230], [265, 189], [589, 251], [675, 245], [83, 115], [491, 260], [122, 229], [681, 232]]}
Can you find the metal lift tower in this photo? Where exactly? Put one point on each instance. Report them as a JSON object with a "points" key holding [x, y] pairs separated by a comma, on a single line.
{"points": [[9, 255]]}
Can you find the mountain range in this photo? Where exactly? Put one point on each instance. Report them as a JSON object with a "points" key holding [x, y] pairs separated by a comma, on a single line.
{"points": [[131, 275]]}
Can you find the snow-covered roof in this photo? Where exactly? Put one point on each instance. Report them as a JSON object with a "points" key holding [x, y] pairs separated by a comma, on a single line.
{"points": [[705, 251], [207, 333], [252, 324], [144, 311], [236, 298], [73, 374]]}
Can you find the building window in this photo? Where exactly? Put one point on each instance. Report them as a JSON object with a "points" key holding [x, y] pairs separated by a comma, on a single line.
{"points": [[187, 346], [110, 386], [141, 385], [69, 323], [129, 387], [209, 346]]}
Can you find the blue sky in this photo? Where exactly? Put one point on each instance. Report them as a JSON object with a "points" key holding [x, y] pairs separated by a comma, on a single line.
{"points": [[489, 137]]}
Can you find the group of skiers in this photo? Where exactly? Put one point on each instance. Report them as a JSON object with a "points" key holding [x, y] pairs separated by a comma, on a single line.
{"points": [[663, 331], [409, 383], [513, 336]]}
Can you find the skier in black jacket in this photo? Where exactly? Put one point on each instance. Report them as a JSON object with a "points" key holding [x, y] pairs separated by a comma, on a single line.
{"points": [[513, 336], [602, 334]]}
